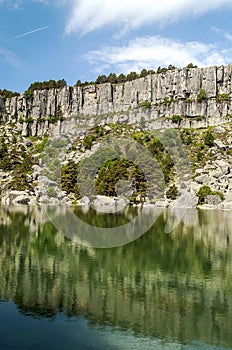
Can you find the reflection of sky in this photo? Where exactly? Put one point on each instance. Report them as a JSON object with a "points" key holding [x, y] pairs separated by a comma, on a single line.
{"points": [[30, 333]]}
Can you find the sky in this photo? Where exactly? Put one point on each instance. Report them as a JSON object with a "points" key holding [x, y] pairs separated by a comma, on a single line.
{"points": [[81, 39]]}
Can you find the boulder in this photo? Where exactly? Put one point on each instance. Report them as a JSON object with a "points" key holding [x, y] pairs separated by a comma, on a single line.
{"points": [[213, 199], [219, 144], [15, 197], [109, 204], [186, 200]]}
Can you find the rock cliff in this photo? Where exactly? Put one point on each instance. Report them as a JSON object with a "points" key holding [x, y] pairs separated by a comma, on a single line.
{"points": [[79, 119], [153, 99]]}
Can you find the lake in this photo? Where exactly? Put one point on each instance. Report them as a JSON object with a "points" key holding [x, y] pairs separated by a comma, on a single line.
{"points": [[164, 290]]}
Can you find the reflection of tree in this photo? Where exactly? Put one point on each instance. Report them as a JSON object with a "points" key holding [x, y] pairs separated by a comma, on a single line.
{"points": [[175, 285]]}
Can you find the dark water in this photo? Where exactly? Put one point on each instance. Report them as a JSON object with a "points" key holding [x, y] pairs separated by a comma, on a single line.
{"points": [[163, 291]]}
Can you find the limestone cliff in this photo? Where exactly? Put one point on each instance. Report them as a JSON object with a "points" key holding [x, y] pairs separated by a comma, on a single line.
{"points": [[79, 119], [172, 93]]}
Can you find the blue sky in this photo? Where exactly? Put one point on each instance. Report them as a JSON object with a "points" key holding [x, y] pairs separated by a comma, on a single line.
{"points": [[80, 39]]}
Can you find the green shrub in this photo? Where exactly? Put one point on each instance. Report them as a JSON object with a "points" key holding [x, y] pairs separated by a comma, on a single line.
{"points": [[209, 139], [206, 191], [172, 192], [223, 97], [88, 141], [29, 120], [69, 178], [53, 119], [39, 147], [200, 117], [203, 192], [176, 119], [202, 95], [51, 192], [145, 104]]}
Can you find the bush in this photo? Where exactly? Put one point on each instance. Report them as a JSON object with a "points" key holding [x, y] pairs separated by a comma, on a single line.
{"points": [[88, 141], [51, 192], [206, 191], [209, 138], [176, 119], [223, 97], [202, 95], [172, 192], [145, 104], [39, 147]]}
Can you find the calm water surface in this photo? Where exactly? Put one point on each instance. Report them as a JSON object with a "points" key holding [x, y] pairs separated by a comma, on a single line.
{"points": [[163, 291]]}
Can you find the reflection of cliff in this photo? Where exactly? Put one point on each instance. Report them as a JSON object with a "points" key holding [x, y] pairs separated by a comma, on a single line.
{"points": [[176, 286]]}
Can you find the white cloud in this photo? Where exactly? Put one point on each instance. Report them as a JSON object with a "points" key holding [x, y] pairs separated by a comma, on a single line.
{"points": [[153, 51], [89, 15]]}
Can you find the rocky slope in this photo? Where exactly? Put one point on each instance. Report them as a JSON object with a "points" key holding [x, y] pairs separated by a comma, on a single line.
{"points": [[183, 99]]}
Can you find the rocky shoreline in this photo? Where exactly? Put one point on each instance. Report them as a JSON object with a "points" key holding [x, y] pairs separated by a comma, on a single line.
{"points": [[191, 102], [215, 172]]}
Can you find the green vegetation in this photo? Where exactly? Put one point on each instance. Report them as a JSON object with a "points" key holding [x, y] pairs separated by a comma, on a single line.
{"points": [[202, 96], [209, 138], [45, 85], [22, 167], [8, 94], [206, 191], [145, 104], [113, 171], [69, 178], [51, 192], [88, 141], [39, 146], [223, 97], [186, 137], [200, 118], [176, 119], [191, 65], [172, 192], [122, 78]]}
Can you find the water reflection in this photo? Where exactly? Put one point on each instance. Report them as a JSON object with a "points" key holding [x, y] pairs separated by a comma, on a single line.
{"points": [[175, 286]]}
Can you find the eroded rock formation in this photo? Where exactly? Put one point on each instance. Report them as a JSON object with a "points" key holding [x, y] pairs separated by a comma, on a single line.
{"points": [[166, 94]]}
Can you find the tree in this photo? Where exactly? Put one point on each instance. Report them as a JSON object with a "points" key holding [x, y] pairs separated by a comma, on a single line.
{"points": [[78, 83], [131, 76], [209, 139], [112, 78], [143, 73], [171, 67], [191, 65], [8, 94], [101, 79], [161, 70], [121, 78]]}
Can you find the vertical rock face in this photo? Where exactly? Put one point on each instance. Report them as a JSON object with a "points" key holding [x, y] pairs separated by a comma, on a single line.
{"points": [[173, 92]]}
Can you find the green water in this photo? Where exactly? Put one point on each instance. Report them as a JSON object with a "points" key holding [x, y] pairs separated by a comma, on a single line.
{"points": [[163, 291]]}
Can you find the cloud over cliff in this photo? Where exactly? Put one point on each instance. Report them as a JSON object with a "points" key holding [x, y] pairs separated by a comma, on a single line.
{"points": [[154, 51]]}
